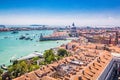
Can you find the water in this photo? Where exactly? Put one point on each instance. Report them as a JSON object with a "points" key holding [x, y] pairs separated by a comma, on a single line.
{"points": [[12, 47]]}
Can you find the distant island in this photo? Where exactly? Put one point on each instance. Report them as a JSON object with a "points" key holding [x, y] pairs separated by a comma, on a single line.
{"points": [[37, 25], [4, 28]]}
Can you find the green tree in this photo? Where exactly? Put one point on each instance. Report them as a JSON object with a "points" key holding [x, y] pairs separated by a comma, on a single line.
{"points": [[43, 63], [33, 67], [18, 68], [24, 67], [49, 56], [62, 52], [1, 72], [34, 60]]}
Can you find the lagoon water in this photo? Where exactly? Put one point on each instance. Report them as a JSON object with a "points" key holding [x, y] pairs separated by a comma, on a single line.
{"points": [[11, 47]]}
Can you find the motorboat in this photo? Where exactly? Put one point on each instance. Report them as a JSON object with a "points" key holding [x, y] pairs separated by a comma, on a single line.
{"points": [[14, 32]]}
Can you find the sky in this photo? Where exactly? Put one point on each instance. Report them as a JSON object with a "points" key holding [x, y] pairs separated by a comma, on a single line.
{"points": [[60, 12]]}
